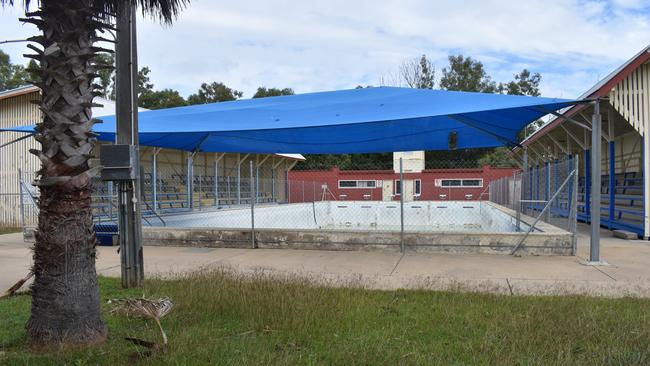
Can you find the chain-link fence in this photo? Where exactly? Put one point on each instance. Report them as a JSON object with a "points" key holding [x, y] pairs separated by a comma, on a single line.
{"points": [[400, 204], [546, 192]]}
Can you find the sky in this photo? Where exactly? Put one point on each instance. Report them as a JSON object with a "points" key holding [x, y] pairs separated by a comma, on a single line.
{"points": [[328, 45]]}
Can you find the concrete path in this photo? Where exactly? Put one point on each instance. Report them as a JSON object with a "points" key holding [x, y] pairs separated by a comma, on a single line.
{"points": [[627, 275]]}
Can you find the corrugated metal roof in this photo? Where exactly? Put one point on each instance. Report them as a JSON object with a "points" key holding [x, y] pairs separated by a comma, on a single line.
{"points": [[589, 93]]}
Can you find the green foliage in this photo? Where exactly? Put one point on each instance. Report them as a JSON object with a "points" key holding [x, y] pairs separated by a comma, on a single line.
{"points": [[214, 92], [374, 161], [466, 74], [499, 157], [11, 75], [159, 99], [263, 92], [106, 74], [229, 319], [524, 83]]}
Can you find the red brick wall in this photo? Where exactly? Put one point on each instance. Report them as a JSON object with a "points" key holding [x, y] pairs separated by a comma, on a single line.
{"points": [[306, 185]]}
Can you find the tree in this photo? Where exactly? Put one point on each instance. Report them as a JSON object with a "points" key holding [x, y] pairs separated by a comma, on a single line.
{"points": [[106, 75], [419, 74], [65, 296], [214, 92], [11, 76], [524, 83], [466, 74], [263, 92], [499, 157], [158, 99]]}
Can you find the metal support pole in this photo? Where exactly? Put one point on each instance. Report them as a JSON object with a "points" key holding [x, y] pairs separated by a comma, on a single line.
{"points": [[612, 182], [22, 201], [587, 196], [573, 206], [646, 179], [129, 223], [547, 189], [253, 192], [257, 182], [189, 181], [401, 204], [216, 183], [154, 179], [556, 178], [522, 188], [287, 187], [273, 199], [111, 193], [596, 126], [238, 180], [229, 190], [303, 190]]}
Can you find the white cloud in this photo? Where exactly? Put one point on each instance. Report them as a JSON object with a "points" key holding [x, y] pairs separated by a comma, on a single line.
{"points": [[338, 44]]}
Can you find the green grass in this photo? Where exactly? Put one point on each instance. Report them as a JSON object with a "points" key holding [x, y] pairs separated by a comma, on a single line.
{"points": [[220, 318]]}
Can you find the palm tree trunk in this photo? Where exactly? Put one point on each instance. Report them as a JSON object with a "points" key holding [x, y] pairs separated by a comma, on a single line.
{"points": [[65, 294]]}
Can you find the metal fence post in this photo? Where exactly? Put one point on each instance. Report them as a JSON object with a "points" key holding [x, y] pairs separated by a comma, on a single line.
{"points": [[257, 182], [229, 190], [253, 192], [154, 180], [189, 180], [216, 182], [401, 204], [547, 190], [273, 199], [522, 188], [238, 180], [22, 202]]}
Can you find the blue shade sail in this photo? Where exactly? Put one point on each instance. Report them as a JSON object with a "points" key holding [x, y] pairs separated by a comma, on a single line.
{"points": [[366, 120]]}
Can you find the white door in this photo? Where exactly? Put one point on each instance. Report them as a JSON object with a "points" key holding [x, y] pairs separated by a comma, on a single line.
{"points": [[408, 189], [387, 190]]}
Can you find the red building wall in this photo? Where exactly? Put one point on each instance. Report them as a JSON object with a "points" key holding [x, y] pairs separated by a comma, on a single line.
{"points": [[307, 185]]}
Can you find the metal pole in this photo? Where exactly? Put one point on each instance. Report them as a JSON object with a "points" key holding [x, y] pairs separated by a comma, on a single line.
{"points": [[253, 191], [303, 190], [130, 223], [573, 201], [257, 182], [154, 179], [189, 181], [594, 245], [22, 202], [238, 179], [273, 185], [522, 187], [547, 190], [401, 205], [216, 182], [110, 200], [229, 190]]}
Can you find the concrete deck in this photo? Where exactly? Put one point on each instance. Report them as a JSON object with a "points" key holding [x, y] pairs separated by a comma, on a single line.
{"points": [[627, 275]]}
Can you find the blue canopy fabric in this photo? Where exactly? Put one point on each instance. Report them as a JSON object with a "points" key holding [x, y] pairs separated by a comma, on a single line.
{"points": [[366, 120]]}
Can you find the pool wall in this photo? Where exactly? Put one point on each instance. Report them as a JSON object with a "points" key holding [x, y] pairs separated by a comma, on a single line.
{"points": [[551, 241], [452, 242]]}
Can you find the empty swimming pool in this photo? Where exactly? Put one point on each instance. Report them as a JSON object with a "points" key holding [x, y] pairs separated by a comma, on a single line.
{"points": [[449, 226], [475, 216]]}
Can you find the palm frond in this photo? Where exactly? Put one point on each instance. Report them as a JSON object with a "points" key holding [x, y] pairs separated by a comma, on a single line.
{"points": [[144, 308], [165, 11]]}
